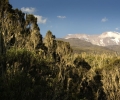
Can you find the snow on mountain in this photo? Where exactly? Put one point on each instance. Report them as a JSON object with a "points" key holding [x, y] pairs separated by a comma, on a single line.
{"points": [[116, 40], [104, 39], [79, 36], [110, 34]]}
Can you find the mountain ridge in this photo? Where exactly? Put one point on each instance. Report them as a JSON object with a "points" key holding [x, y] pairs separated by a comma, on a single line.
{"points": [[104, 39], [80, 46]]}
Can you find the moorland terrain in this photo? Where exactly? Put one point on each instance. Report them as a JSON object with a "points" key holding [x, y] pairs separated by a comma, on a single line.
{"points": [[33, 68]]}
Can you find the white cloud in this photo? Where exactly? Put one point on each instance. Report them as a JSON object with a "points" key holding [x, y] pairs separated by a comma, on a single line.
{"points": [[61, 17], [104, 19], [29, 10], [117, 28], [40, 19]]}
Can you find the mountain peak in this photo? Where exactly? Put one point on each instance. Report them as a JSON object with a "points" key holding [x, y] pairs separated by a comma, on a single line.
{"points": [[104, 39], [110, 34]]}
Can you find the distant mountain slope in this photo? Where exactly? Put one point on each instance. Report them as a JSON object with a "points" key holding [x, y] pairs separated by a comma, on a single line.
{"points": [[79, 46], [104, 39], [114, 47]]}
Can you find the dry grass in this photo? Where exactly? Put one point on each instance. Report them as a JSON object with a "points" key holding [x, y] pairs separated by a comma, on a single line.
{"points": [[108, 66]]}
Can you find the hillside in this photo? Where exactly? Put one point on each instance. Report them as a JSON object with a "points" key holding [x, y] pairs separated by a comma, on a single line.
{"points": [[33, 68], [80, 46]]}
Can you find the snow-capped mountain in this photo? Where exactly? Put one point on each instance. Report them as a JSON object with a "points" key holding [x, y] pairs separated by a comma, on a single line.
{"points": [[104, 39]]}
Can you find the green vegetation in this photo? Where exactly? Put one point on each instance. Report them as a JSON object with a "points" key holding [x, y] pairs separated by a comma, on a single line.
{"points": [[35, 69]]}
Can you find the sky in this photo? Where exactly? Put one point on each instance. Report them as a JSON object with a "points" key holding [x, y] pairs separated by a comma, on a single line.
{"points": [[64, 17]]}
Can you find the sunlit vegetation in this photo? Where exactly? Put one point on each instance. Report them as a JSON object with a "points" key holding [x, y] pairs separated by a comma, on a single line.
{"points": [[32, 68]]}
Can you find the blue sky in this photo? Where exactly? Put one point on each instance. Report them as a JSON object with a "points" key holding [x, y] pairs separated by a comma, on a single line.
{"points": [[64, 17]]}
